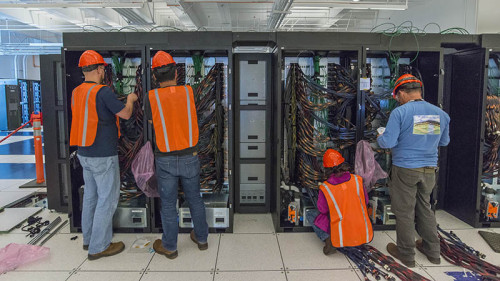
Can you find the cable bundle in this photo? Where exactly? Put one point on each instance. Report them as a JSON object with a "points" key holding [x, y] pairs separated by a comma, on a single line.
{"points": [[371, 261], [308, 133], [491, 162], [209, 96], [131, 141], [181, 73], [458, 253]]}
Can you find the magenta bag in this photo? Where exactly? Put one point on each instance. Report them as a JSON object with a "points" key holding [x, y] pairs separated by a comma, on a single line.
{"points": [[366, 166], [143, 168], [15, 255]]}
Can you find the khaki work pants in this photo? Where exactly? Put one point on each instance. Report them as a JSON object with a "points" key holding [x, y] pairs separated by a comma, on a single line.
{"points": [[410, 191]]}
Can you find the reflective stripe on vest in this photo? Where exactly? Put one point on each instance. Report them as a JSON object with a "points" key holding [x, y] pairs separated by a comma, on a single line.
{"points": [[189, 117], [163, 120], [86, 116], [362, 209], [338, 212]]}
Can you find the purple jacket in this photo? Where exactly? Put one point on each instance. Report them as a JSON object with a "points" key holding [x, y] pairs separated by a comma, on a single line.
{"points": [[322, 220]]}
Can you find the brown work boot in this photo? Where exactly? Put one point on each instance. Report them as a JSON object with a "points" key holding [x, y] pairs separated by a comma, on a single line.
{"points": [[420, 247], [329, 249], [113, 249], [86, 247], [158, 247], [201, 246], [394, 251]]}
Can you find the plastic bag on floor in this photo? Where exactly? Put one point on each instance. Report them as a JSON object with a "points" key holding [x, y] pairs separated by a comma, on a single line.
{"points": [[143, 168], [366, 166], [15, 255]]}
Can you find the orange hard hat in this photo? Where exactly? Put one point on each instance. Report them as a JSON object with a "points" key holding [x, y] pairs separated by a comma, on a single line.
{"points": [[332, 158], [404, 79], [162, 58], [90, 57]]}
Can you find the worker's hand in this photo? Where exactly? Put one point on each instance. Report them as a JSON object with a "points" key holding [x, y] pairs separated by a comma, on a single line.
{"points": [[380, 131], [132, 98]]}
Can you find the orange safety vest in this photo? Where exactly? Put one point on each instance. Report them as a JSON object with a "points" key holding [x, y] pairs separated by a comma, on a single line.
{"points": [[350, 224], [174, 118], [84, 115]]}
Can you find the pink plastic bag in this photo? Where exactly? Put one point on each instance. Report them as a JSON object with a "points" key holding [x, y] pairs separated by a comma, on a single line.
{"points": [[15, 255], [143, 168], [366, 166]]}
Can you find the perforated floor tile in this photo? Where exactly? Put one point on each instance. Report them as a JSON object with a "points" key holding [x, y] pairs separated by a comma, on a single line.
{"points": [[296, 246]]}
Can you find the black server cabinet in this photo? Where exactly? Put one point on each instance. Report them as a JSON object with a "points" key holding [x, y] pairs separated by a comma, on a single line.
{"points": [[56, 134], [253, 138], [215, 49], [64, 177], [10, 109], [471, 84]]}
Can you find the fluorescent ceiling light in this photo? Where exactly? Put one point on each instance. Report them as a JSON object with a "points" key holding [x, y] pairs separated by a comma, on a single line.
{"points": [[389, 8]]}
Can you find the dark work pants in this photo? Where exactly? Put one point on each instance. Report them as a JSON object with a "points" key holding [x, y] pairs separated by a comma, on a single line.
{"points": [[410, 191]]}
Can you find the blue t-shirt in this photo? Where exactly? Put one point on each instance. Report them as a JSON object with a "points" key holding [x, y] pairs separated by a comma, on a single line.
{"points": [[414, 132], [106, 139]]}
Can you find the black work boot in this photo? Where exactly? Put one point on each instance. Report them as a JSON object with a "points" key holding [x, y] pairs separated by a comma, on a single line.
{"points": [[420, 247], [328, 249], [394, 251]]}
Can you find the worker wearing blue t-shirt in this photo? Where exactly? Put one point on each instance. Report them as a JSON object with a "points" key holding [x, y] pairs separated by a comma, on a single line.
{"points": [[414, 132]]}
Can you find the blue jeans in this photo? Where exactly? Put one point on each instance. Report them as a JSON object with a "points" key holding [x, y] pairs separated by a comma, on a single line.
{"points": [[310, 217], [169, 169], [100, 199]]}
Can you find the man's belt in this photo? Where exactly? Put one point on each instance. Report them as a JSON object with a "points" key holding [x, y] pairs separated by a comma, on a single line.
{"points": [[425, 170]]}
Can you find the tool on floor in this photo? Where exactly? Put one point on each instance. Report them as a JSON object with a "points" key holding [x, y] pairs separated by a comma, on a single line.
{"points": [[73, 238], [458, 253], [45, 231], [493, 239], [54, 232]]}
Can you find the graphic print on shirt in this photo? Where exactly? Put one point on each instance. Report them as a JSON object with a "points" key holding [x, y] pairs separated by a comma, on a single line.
{"points": [[426, 125]]}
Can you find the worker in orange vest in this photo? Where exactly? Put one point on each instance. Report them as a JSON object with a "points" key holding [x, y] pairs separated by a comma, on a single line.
{"points": [[342, 218], [95, 130], [171, 110]]}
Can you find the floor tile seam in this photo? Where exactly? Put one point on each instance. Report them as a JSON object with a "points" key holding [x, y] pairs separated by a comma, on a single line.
{"points": [[181, 271], [217, 255], [324, 269], [109, 270], [252, 270], [147, 266], [281, 255]]}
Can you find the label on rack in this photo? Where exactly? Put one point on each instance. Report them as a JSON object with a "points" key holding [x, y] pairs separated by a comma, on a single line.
{"points": [[365, 84]]}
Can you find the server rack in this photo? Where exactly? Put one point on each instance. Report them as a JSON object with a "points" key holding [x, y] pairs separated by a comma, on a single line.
{"points": [[10, 117], [340, 48], [218, 47], [26, 91], [469, 74], [252, 107], [132, 214]]}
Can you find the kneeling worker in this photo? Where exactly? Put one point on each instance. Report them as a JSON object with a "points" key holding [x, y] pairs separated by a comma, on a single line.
{"points": [[342, 218], [173, 113]]}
